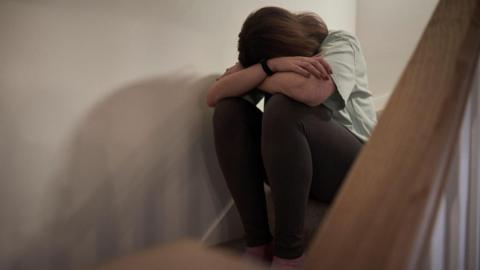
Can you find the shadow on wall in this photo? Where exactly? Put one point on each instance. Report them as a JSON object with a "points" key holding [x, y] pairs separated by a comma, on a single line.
{"points": [[142, 171]]}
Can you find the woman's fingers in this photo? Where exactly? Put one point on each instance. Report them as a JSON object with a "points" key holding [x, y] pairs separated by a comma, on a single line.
{"points": [[316, 68], [230, 70], [312, 69], [324, 63], [302, 65], [301, 70], [223, 75], [321, 68]]}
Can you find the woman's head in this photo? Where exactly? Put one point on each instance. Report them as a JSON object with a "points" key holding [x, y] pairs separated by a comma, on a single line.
{"points": [[273, 32]]}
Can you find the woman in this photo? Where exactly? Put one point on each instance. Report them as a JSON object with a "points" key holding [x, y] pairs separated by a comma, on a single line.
{"points": [[318, 113]]}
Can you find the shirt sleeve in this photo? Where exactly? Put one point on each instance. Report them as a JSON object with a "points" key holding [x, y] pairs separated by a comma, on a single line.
{"points": [[341, 58]]}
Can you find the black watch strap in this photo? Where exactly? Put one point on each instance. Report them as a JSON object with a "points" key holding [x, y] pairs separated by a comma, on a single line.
{"points": [[265, 67]]}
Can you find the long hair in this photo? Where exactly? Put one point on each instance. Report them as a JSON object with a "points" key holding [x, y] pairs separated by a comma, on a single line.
{"points": [[273, 32]]}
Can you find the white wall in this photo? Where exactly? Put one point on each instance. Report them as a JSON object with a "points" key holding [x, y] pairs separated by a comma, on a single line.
{"points": [[105, 139], [389, 31]]}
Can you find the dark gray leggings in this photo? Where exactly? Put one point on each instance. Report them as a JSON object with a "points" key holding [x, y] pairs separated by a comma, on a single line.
{"points": [[300, 149]]}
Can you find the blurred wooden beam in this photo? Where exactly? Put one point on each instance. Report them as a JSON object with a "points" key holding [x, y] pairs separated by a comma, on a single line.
{"points": [[181, 255]]}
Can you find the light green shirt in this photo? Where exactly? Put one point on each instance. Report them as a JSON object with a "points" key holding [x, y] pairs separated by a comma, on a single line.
{"points": [[351, 103]]}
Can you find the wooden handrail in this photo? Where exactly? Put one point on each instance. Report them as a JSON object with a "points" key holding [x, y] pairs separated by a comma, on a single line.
{"points": [[382, 215]]}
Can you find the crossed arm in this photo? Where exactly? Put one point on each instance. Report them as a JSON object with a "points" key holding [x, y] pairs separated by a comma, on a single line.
{"points": [[311, 91], [294, 81]]}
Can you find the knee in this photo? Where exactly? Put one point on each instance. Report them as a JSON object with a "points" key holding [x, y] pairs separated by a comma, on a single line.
{"points": [[280, 112], [229, 111]]}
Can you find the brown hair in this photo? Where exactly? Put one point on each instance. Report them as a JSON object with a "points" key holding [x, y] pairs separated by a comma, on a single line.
{"points": [[273, 32]]}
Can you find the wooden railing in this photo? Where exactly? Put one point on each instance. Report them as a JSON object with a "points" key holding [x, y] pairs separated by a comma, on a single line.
{"points": [[384, 214]]}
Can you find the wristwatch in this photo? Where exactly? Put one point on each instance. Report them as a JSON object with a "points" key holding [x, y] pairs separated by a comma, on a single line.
{"points": [[265, 67]]}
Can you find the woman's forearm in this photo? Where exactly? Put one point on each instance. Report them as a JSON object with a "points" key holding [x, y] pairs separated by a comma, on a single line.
{"points": [[287, 83], [236, 84], [310, 91]]}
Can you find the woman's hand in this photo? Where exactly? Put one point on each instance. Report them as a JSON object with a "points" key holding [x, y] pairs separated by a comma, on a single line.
{"points": [[304, 66], [230, 70]]}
